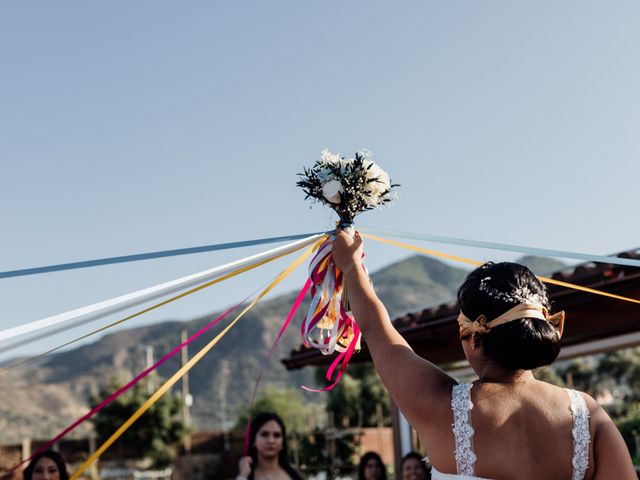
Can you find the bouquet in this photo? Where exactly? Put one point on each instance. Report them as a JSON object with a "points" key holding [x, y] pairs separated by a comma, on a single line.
{"points": [[349, 186]]}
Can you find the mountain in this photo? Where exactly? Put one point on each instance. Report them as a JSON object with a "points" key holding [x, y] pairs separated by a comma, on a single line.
{"points": [[542, 265], [221, 382]]}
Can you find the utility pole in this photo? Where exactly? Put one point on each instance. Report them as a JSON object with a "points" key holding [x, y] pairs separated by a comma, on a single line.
{"points": [[187, 400], [150, 385]]}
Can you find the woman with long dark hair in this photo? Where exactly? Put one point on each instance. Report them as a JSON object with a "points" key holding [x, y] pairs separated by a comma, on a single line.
{"points": [[371, 467], [47, 465], [412, 467], [507, 424], [267, 459]]}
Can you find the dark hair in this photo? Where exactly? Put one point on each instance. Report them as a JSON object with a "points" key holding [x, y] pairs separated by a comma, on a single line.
{"points": [[363, 463], [57, 459], [415, 456], [283, 460], [491, 290]]}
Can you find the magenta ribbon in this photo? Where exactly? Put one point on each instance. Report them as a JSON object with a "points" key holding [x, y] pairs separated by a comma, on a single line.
{"points": [[343, 334], [292, 311], [124, 388]]}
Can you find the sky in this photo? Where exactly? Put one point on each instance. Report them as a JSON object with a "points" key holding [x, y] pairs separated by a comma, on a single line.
{"points": [[129, 127]]}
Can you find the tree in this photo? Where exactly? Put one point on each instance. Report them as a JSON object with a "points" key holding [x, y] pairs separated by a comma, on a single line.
{"points": [[287, 403], [629, 426], [152, 435], [360, 399]]}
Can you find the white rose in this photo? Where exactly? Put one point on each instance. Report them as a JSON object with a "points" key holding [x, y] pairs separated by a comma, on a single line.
{"points": [[332, 190], [377, 188]]}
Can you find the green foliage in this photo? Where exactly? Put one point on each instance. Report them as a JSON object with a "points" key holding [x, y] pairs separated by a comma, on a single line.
{"points": [[360, 399], [613, 377], [289, 404], [152, 435], [581, 373], [629, 426], [624, 367], [329, 450]]}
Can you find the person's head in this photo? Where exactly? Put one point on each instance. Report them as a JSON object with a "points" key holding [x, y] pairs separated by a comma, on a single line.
{"points": [[268, 440], [412, 467], [508, 290], [47, 465], [371, 467]]}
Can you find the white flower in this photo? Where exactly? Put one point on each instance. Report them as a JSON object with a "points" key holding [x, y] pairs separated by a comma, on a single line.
{"points": [[366, 153], [378, 187], [332, 190], [335, 160], [328, 157]]}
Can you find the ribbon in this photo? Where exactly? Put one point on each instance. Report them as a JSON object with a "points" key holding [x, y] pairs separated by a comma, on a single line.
{"points": [[543, 252], [124, 388], [178, 375], [329, 325], [477, 263], [285, 325], [149, 256], [165, 302], [122, 302]]}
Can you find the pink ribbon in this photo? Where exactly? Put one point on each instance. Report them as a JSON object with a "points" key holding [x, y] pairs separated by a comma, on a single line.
{"points": [[294, 309], [328, 326], [123, 389]]}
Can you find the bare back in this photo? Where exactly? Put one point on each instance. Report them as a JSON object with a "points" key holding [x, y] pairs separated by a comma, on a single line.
{"points": [[522, 431]]}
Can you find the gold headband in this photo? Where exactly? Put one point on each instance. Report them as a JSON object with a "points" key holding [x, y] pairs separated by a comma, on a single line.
{"points": [[523, 310]]}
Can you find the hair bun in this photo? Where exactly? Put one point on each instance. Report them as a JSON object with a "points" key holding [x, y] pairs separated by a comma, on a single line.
{"points": [[522, 344]]}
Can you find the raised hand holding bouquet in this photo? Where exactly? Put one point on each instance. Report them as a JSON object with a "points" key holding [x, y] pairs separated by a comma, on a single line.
{"points": [[349, 186]]}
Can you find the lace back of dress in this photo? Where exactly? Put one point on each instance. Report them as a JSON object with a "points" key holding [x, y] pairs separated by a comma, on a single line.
{"points": [[580, 433], [462, 430]]}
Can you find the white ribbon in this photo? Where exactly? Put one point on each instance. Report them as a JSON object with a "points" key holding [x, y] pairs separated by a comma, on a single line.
{"points": [[116, 304]]}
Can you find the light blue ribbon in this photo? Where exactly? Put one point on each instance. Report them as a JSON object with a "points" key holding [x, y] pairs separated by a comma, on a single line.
{"points": [[541, 252], [150, 255]]}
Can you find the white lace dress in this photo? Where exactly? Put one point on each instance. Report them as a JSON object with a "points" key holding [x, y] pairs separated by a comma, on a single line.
{"points": [[463, 432]]}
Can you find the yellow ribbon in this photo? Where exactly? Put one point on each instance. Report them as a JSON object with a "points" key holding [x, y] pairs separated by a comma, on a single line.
{"points": [[153, 307], [195, 359], [436, 253], [586, 289]]}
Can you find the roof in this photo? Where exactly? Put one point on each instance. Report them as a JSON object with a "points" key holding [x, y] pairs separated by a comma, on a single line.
{"points": [[433, 332]]}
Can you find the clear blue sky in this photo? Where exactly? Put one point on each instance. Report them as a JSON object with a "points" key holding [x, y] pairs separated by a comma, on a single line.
{"points": [[136, 126]]}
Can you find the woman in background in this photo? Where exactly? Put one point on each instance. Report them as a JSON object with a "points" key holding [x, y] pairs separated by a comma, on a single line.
{"points": [[413, 468], [371, 467], [267, 459], [48, 465]]}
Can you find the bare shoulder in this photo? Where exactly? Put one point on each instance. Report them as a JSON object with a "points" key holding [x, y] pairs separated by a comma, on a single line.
{"points": [[611, 458]]}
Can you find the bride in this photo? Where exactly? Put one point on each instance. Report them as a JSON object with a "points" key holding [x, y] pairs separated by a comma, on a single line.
{"points": [[506, 425]]}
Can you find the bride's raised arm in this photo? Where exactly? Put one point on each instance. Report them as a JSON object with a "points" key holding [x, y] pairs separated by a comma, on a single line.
{"points": [[416, 385]]}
